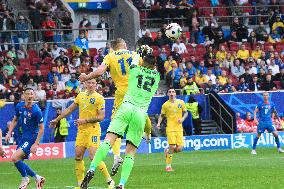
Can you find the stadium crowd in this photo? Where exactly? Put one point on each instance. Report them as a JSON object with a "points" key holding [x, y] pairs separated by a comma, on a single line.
{"points": [[203, 60]]}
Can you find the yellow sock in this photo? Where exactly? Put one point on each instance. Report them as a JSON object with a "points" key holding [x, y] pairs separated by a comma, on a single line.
{"points": [[103, 169], [169, 159], [80, 170], [116, 147]]}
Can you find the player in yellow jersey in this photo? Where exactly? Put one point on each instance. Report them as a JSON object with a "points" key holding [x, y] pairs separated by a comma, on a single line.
{"points": [[118, 62], [175, 112], [91, 111]]}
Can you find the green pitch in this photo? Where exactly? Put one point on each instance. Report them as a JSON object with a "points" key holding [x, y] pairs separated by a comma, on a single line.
{"points": [[193, 170]]}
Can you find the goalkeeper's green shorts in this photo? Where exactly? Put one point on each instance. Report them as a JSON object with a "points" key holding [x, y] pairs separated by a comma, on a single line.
{"points": [[129, 120]]}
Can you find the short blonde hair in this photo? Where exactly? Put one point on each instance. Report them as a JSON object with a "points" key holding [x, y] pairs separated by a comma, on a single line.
{"points": [[118, 43]]}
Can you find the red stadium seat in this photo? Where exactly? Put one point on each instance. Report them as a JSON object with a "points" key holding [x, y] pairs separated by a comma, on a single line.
{"points": [[234, 46], [36, 60], [280, 47], [278, 84]]}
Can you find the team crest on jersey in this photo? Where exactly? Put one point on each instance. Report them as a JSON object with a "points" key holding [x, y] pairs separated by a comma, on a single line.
{"points": [[29, 114], [92, 100], [179, 105]]}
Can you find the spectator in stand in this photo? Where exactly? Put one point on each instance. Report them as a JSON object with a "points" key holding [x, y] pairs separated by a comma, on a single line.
{"points": [[78, 58], [240, 29], [280, 76], [60, 84], [168, 67], [278, 25], [221, 54], [73, 65], [161, 59], [256, 53], [24, 79], [202, 68], [190, 69], [274, 37], [270, 53], [7, 22], [219, 39], [223, 78], [35, 18], [147, 3], [160, 40], [183, 79], [99, 57], [62, 57], [48, 25], [9, 66], [254, 85], [228, 62], [84, 68], [45, 51], [66, 24], [23, 35], [31, 84], [194, 27], [252, 67], [250, 124], [201, 79], [208, 87], [22, 53], [210, 26], [53, 72], [59, 66], [65, 76], [176, 55], [273, 67], [143, 31], [85, 24], [40, 94], [38, 78], [13, 81], [190, 87], [261, 32], [243, 86], [12, 54], [247, 77], [240, 122], [261, 75], [229, 87], [73, 84], [209, 55], [217, 70], [81, 44], [146, 39], [103, 25], [170, 10], [176, 74], [218, 87], [183, 38], [107, 49], [55, 51], [232, 39], [243, 54], [4, 78], [193, 61], [211, 77], [252, 39], [278, 60], [181, 47], [268, 84]]}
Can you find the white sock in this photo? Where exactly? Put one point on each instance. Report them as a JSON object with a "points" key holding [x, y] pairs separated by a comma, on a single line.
{"points": [[25, 178], [37, 177], [169, 165], [116, 158]]}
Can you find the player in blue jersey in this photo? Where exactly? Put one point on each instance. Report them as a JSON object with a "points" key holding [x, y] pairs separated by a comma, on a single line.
{"points": [[265, 109], [30, 117]]}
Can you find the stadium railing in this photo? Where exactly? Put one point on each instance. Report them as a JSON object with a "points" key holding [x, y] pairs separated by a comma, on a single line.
{"points": [[222, 114], [221, 17]]}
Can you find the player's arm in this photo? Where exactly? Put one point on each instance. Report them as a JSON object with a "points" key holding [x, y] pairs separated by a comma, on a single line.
{"points": [[161, 117], [185, 114], [64, 114], [100, 117], [276, 114], [11, 128], [100, 71]]}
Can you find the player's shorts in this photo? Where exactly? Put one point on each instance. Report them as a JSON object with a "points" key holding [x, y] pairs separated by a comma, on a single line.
{"points": [[131, 120], [88, 139], [175, 138], [262, 126], [25, 144]]}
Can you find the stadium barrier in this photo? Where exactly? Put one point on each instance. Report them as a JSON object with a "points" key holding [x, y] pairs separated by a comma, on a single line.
{"points": [[158, 144]]}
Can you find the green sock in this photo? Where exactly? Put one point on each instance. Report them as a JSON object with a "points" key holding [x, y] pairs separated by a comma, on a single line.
{"points": [[126, 169], [100, 155]]}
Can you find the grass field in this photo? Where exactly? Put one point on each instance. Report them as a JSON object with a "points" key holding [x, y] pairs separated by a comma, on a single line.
{"points": [[193, 170]]}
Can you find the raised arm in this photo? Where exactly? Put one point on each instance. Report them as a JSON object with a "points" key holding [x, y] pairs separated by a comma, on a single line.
{"points": [[100, 71]]}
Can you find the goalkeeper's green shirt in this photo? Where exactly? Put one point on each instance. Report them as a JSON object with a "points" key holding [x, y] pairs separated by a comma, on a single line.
{"points": [[142, 86]]}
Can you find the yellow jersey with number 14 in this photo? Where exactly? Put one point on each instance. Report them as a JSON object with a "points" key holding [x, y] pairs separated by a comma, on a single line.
{"points": [[173, 112], [89, 105]]}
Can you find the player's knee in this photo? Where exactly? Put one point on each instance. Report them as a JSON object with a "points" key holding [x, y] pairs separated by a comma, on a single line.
{"points": [[178, 149], [78, 158], [14, 159]]}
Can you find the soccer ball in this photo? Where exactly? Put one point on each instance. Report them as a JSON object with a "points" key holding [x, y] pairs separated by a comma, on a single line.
{"points": [[173, 31]]}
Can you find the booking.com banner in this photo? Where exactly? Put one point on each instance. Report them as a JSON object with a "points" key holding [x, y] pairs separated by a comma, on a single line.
{"points": [[158, 144]]}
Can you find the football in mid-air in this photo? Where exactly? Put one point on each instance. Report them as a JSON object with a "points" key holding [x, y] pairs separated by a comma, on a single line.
{"points": [[173, 31]]}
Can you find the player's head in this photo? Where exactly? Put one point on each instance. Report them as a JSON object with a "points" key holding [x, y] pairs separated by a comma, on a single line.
{"points": [[29, 95], [119, 43], [171, 92], [265, 96], [149, 61], [91, 85]]}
